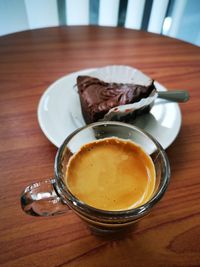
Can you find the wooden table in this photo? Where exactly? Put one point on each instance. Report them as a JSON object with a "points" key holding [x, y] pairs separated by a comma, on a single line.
{"points": [[29, 62]]}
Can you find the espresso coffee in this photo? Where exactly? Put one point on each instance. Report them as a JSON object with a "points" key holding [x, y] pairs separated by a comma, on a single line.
{"points": [[111, 174]]}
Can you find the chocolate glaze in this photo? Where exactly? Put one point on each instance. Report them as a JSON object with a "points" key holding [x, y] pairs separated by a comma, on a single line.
{"points": [[98, 97]]}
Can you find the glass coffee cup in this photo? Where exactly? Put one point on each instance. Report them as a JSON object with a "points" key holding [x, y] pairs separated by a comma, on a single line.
{"points": [[52, 197]]}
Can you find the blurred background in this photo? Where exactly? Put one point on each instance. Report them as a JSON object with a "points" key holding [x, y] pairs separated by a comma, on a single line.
{"points": [[175, 18]]}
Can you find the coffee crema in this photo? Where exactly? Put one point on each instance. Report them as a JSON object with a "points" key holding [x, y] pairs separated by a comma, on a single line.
{"points": [[111, 174]]}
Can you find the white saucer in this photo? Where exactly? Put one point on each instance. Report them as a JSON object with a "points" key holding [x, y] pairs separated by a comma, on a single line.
{"points": [[59, 113]]}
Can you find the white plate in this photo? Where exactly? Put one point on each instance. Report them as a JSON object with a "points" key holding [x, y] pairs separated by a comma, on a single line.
{"points": [[59, 113]]}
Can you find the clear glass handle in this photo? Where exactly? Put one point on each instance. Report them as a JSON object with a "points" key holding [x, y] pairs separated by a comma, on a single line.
{"points": [[41, 199]]}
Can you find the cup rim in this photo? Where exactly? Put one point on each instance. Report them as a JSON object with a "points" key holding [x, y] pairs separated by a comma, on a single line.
{"points": [[85, 208]]}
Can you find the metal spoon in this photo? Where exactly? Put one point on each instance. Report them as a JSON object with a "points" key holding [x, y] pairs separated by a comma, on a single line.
{"points": [[175, 96]]}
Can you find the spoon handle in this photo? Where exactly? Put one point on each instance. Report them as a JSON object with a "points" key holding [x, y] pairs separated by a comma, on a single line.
{"points": [[176, 96]]}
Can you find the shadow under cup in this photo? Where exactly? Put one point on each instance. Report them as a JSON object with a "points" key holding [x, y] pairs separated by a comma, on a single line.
{"points": [[54, 196]]}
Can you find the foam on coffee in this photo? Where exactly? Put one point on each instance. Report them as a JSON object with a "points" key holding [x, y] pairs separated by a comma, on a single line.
{"points": [[111, 174]]}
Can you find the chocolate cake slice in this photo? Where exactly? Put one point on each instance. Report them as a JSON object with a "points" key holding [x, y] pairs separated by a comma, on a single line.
{"points": [[98, 97]]}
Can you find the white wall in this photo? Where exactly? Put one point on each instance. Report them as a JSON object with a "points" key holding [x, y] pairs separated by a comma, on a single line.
{"points": [[42, 13], [19, 15], [13, 17]]}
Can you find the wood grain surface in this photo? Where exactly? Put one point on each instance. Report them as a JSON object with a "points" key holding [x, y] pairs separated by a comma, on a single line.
{"points": [[29, 62]]}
